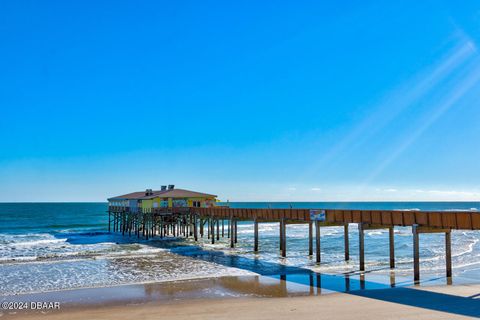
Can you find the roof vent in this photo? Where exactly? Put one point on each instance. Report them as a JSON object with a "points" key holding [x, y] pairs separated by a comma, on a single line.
{"points": [[171, 186], [148, 192], [164, 188]]}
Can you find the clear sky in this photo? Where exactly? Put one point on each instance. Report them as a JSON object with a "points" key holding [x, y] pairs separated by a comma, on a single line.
{"points": [[250, 100]]}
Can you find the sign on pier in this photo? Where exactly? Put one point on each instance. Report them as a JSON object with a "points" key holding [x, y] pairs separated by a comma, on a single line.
{"points": [[318, 215]]}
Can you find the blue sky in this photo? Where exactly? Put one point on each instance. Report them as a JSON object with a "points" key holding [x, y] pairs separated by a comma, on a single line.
{"points": [[250, 100]]}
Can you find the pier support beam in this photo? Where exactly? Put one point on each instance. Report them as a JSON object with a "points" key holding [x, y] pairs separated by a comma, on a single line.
{"points": [[209, 227], [195, 228], [255, 232], [212, 228], [218, 229], [448, 253], [361, 240], [283, 228], [121, 222], [416, 230], [310, 238], [232, 237], [280, 235], [391, 241], [361, 246], [236, 229], [347, 245], [317, 240], [416, 254], [162, 231]]}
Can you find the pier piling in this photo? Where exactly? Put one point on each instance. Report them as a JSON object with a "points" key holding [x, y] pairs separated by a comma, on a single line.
{"points": [[280, 235], [361, 246], [346, 240], [416, 254], [212, 227], [391, 242], [310, 238], [195, 228], [232, 231], [236, 229], [317, 241], [255, 232], [448, 253]]}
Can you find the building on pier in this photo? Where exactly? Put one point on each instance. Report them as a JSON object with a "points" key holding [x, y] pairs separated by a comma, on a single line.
{"points": [[166, 197]]}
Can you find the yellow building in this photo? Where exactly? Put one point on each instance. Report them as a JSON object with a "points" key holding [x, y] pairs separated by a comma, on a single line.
{"points": [[167, 197]]}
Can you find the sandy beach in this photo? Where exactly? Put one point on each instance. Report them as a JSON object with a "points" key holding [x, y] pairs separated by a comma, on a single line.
{"points": [[437, 302]]}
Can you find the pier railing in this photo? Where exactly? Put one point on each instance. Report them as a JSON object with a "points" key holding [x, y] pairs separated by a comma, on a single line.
{"points": [[463, 220]]}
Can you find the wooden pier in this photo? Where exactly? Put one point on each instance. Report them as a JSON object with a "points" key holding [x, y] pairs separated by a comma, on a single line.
{"points": [[193, 222]]}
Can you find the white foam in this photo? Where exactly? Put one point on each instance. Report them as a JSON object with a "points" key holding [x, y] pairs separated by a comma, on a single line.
{"points": [[37, 242]]}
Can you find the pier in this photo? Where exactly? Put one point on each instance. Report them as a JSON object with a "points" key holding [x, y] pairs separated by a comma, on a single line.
{"points": [[217, 222]]}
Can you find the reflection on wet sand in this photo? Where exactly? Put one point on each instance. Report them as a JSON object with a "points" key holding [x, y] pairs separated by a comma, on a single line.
{"points": [[261, 286]]}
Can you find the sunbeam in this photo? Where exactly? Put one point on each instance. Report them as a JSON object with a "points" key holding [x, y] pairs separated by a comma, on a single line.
{"points": [[396, 102], [457, 93]]}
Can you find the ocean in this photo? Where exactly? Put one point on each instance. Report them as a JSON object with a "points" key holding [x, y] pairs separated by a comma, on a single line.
{"points": [[58, 246]]}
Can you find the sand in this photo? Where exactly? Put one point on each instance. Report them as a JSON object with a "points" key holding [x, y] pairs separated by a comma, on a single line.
{"points": [[438, 302]]}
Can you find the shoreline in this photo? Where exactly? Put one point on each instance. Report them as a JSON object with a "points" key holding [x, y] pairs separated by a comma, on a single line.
{"points": [[298, 280], [430, 302]]}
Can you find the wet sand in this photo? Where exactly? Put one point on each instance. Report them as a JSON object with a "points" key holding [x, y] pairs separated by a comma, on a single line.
{"points": [[333, 306], [253, 298]]}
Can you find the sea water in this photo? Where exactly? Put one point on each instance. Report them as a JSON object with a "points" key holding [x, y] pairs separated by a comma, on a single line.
{"points": [[58, 246]]}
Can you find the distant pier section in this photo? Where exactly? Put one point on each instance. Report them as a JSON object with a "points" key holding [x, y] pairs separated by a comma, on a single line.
{"points": [[184, 213]]}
